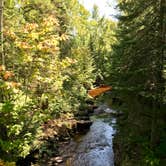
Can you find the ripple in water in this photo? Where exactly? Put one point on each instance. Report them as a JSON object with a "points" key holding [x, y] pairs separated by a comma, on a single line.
{"points": [[95, 149]]}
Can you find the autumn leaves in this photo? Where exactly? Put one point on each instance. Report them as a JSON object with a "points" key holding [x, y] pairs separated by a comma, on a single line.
{"points": [[7, 76]]}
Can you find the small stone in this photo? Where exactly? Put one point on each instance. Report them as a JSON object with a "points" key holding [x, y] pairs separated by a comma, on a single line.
{"points": [[59, 159]]}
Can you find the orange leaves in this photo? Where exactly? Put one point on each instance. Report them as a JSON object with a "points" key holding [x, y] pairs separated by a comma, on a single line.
{"points": [[30, 26], [50, 21], [99, 90], [8, 74], [5, 74], [48, 46], [43, 36]]}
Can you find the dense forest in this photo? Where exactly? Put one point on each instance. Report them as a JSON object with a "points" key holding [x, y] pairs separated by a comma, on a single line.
{"points": [[138, 72], [53, 51]]}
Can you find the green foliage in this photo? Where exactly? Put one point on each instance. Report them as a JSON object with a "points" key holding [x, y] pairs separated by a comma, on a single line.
{"points": [[54, 51], [101, 39], [49, 67], [137, 61], [150, 158], [19, 122]]}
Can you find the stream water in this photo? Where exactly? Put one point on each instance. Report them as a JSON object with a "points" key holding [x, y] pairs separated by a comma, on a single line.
{"points": [[96, 147], [88, 148]]}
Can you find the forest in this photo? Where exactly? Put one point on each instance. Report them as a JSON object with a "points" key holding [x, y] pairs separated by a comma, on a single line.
{"points": [[53, 52]]}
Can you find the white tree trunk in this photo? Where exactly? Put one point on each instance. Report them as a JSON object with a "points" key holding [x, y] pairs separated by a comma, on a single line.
{"points": [[1, 32]]}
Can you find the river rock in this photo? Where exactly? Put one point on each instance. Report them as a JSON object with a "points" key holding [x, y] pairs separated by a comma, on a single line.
{"points": [[100, 109]]}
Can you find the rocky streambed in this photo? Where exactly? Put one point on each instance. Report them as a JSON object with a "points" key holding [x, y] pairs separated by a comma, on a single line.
{"points": [[89, 142], [94, 147]]}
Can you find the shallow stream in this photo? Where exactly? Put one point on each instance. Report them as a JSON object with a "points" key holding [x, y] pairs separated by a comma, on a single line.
{"points": [[95, 148]]}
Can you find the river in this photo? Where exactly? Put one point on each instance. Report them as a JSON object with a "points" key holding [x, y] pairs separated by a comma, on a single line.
{"points": [[95, 148]]}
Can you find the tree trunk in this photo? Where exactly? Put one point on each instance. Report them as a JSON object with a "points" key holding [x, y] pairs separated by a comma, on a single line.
{"points": [[159, 79], [153, 137], [1, 32], [162, 63]]}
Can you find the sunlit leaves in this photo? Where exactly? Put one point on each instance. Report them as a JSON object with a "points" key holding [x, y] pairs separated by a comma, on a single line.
{"points": [[23, 45], [10, 34], [64, 37], [43, 58], [50, 21], [12, 84], [30, 27], [7, 75], [2, 68]]}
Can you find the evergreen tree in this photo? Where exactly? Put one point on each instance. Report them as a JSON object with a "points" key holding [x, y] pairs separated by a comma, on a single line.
{"points": [[137, 70]]}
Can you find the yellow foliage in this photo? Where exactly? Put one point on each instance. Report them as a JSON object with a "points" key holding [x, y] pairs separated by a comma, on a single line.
{"points": [[23, 45], [71, 61], [2, 67], [10, 33], [63, 37], [33, 35], [30, 26], [50, 21], [13, 84]]}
